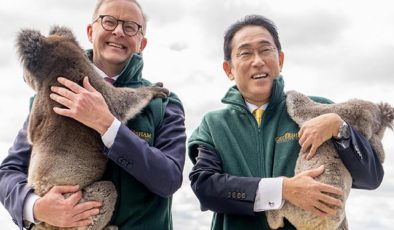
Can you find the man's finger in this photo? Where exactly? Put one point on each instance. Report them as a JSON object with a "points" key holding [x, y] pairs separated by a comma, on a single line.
{"points": [[301, 132], [331, 200], [65, 188], [331, 189], [315, 172], [70, 84], [301, 138], [86, 214], [325, 209], [304, 146], [63, 112], [87, 85], [64, 92], [61, 100], [82, 223], [318, 212], [84, 206], [75, 198], [312, 152]]}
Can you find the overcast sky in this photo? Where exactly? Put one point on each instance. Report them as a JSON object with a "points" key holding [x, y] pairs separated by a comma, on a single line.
{"points": [[336, 49]]}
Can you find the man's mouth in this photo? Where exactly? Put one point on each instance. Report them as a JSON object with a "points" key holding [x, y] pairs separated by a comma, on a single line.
{"points": [[259, 76], [116, 45]]}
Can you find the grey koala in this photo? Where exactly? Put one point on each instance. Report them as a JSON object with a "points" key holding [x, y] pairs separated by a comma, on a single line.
{"points": [[64, 151], [370, 119]]}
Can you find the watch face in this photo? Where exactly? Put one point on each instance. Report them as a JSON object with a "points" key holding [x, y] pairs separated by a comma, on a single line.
{"points": [[345, 131]]}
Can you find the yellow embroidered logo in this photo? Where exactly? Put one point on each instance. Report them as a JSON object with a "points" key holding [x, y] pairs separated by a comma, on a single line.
{"points": [[143, 135], [286, 137]]}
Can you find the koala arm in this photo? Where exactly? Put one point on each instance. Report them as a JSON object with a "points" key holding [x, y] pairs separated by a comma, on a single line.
{"points": [[13, 177], [158, 167], [361, 160]]}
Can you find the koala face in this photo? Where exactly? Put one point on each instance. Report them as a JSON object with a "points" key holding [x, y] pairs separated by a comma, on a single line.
{"points": [[40, 55]]}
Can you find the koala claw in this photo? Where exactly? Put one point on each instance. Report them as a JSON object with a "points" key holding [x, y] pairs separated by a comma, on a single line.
{"points": [[158, 84], [158, 90]]}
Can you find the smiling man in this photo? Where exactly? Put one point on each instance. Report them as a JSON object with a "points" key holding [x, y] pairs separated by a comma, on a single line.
{"points": [[245, 154], [146, 155]]}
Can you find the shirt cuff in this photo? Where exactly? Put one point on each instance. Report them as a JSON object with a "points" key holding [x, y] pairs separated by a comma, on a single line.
{"points": [[109, 136], [28, 208], [269, 194]]}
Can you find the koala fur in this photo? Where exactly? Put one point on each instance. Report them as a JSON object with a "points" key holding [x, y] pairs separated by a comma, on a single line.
{"points": [[64, 151], [368, 118]]}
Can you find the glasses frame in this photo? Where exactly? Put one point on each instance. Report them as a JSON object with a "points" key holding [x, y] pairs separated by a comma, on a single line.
{"points": [[117, 23], [264, 52]]}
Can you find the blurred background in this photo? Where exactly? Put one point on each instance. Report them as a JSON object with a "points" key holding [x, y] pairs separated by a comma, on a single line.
{"points": [[335, 49]]}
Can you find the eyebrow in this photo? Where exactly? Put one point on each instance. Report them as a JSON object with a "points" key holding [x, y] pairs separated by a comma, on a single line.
{"points": [[247, 45]]}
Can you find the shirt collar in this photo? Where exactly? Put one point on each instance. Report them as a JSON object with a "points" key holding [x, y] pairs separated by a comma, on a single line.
{"points": [[103, 75], [253, 107]]}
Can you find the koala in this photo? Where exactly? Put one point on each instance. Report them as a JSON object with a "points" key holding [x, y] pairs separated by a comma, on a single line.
{"points": [[370, 119], [64, 151]]}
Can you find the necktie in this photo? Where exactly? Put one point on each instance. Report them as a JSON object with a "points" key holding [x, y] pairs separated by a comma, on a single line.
{"points": [[109, 80], [258, 114]]}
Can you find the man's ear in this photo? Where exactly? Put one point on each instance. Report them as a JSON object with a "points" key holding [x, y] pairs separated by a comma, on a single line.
{"points": [[227, 70], [143, 44], [89, 32], [281, 59]]}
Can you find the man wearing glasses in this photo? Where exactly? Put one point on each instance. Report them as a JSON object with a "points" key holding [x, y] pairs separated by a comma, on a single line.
{"points": [[152, 144], [245, 153]]}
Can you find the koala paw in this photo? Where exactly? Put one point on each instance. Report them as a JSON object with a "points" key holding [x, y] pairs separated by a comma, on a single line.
{"points": [[158, 90]]}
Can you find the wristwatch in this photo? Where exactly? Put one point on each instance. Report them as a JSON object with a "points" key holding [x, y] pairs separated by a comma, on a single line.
{"points": [[344, 132]]}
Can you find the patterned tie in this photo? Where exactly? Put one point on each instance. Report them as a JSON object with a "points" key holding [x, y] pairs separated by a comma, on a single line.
{"points": [[258, 114], [109, 80]]}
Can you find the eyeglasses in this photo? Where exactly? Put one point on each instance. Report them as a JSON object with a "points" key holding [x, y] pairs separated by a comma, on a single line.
{"points": [[109, 23], [264, 52]]}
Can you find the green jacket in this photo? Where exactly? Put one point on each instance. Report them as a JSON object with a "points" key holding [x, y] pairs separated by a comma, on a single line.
{"points": [[247, 150]]}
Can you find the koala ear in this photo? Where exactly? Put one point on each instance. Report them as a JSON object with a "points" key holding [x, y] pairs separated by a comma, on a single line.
{"points": [[61, 31], [29, 44], [300, 107], [387, 113]]}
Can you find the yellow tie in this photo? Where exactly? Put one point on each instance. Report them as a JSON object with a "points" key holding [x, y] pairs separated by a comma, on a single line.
{"points": [[258, 114]]}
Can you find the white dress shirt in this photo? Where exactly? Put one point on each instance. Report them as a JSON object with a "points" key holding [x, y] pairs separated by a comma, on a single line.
{"points": [[269, 191]]}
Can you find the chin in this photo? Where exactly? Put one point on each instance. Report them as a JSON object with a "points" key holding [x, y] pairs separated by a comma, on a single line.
{"points": [[264, 87], [116, 59]]}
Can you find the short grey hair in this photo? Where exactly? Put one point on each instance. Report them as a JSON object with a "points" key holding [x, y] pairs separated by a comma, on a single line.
{"points": [[144, 17]]}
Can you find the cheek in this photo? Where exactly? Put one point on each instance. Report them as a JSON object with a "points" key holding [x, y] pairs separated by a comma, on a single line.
{"points": [[275, 67], [241, 70], [96, 40]]}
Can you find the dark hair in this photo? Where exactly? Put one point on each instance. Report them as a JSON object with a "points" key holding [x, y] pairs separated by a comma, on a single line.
{"points": [[249, 20], [144, 17]]}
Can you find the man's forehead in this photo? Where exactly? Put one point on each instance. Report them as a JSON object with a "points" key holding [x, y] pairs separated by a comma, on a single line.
{"points": [[250, 36], [122, 8]]}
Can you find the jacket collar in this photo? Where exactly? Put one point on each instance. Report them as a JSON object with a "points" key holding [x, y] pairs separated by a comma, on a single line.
{"points": [[234, 97]]}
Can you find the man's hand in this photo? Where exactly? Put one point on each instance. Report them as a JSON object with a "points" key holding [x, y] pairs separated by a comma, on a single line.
{"points": [[58, 211], [305, 192], [84, 104], [316, 131]]}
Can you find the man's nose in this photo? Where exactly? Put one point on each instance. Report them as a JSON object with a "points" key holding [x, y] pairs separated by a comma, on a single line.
{"points": [[118, 31], [258, 60]]}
